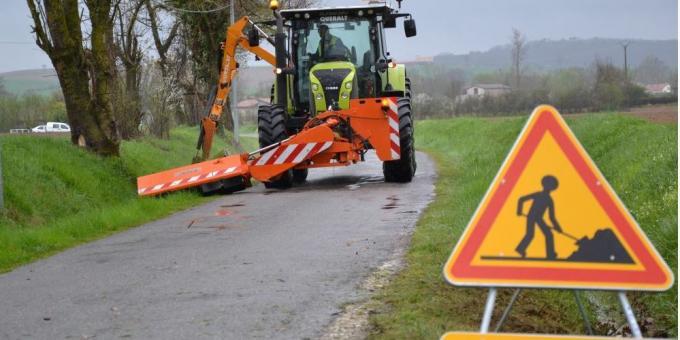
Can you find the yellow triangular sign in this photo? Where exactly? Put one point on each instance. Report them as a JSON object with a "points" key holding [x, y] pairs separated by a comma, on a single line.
{"points": [[550, 219]]}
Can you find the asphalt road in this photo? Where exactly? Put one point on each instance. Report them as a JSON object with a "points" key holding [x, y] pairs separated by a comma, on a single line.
{"points": [[256, 264]]}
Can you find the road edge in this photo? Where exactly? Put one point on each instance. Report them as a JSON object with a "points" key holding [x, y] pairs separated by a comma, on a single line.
{"points": [[353, 322]]}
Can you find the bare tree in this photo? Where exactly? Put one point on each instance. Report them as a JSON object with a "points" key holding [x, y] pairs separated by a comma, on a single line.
{"points": [[652, 70], [128, 50], [518, 43], [84, 67], [162, 45], [160, 99]]}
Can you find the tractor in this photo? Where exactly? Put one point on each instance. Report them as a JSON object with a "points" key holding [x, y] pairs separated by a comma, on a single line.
{"points": [[337, 94]]}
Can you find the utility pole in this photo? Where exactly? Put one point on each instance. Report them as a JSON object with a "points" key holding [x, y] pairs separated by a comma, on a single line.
{"points": [[625, 60], [234, 88]]}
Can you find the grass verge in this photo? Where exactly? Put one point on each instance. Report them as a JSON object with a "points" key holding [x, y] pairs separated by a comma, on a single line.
{"points": [[58, 195], [637, 157]]}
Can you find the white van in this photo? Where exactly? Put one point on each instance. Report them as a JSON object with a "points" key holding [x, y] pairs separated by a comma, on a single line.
{"points": [[52, 127]]}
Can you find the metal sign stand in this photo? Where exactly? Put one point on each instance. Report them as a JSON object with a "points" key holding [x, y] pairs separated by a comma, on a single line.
{"points": [[630, 316], [491, 302]]}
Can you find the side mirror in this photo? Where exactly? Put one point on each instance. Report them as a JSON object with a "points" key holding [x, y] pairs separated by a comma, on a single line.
{"points": [[253, 37], [410, 28], [390, 22]]}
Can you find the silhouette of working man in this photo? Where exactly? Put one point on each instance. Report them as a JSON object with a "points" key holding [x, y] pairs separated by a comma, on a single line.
{"points": [[541, 202]]}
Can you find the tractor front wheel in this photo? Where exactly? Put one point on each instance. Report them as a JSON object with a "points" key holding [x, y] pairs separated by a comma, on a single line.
{"points": [[403, 169], [271, 129]]}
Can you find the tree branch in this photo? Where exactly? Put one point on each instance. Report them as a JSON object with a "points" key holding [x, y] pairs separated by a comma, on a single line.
{"points": [[41, 38]]}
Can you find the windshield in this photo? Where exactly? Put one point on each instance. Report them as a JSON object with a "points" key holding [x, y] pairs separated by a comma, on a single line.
{"points": [[323, 41]]}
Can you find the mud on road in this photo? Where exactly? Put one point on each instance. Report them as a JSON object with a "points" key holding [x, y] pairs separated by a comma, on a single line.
{"points": [[256, 264]]}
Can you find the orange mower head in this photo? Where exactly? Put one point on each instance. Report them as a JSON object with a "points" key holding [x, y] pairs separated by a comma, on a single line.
{"points": [[226, 174]]}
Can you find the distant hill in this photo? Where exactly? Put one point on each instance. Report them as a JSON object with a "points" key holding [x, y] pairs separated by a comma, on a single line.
{"points": [[255, 81], [41, 81], [541, 55], [556, 54]]}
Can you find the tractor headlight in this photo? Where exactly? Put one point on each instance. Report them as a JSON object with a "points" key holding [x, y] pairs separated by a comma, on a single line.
{"points": [[348, 85], [344, 96], [315, 87], [318, 96]]}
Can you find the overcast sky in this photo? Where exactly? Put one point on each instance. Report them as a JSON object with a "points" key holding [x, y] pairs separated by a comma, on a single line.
{"points": [[443, 26]]}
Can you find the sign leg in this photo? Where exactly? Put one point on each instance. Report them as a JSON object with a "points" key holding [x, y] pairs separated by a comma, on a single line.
{"points": [[582, 310], [630, 316], [488, 310], [507, 309]]}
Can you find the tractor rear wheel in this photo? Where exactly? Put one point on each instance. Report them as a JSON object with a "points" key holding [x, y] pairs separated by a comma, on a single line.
{"points": [[403, 169], [271, 129]]}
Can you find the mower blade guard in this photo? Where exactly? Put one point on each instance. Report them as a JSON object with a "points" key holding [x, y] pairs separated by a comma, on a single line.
{"points": [[218, 174], [291, 152]]}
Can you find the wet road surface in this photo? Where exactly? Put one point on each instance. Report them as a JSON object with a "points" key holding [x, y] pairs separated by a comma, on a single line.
{"points": [[255, 264]]}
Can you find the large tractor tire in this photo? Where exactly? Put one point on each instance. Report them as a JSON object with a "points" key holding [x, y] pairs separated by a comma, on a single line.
{"points": [[403, 170], [271, 128]]}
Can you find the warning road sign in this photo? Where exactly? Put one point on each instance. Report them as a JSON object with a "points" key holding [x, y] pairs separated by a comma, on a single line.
{"points": [[550, 219]]}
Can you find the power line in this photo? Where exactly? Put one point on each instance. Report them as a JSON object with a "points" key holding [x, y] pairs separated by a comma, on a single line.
{"points": [[16, 43], [184, 10]]}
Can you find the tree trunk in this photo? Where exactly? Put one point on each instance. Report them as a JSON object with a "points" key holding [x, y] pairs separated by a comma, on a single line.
{"points": [[104, 132], [88, 108]]}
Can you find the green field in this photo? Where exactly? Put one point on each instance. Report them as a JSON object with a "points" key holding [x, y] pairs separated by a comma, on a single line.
{"points": [[58, 195], [637, 157]]}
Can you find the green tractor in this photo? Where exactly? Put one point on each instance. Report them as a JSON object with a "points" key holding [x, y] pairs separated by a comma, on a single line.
{"points": [[325, 58]]}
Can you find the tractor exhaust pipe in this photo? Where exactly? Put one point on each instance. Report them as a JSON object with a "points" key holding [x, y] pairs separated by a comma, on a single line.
{"points": [[281, 62]]}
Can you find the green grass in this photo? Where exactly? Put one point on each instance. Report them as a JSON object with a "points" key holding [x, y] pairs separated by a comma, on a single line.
{"points": [[58, 195], [638, 158]]}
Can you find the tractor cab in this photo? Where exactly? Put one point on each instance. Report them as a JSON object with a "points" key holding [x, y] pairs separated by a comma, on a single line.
{"points": [[339, 54]]}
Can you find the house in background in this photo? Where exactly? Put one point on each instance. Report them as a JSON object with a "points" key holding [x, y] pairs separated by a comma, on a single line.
{"points": [[658, 89], [481, 90]]}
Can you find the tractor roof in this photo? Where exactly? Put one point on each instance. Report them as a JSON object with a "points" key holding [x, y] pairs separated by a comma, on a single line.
{"points": [[368, 10]]}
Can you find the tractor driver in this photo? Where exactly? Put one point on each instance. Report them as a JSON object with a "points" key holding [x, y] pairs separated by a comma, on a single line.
{"points": [[330, 47]]}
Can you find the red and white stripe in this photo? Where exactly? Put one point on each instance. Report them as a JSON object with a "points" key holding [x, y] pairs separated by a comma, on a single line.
{"points": [[180, 181], [292, 153], [393, 122]]}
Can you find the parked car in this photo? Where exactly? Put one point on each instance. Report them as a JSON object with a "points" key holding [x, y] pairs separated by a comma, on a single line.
{"points": [[52, 127]]}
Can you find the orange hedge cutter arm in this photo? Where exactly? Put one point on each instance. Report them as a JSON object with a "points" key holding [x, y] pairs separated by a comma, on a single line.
{"points": [[235, 38]]}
